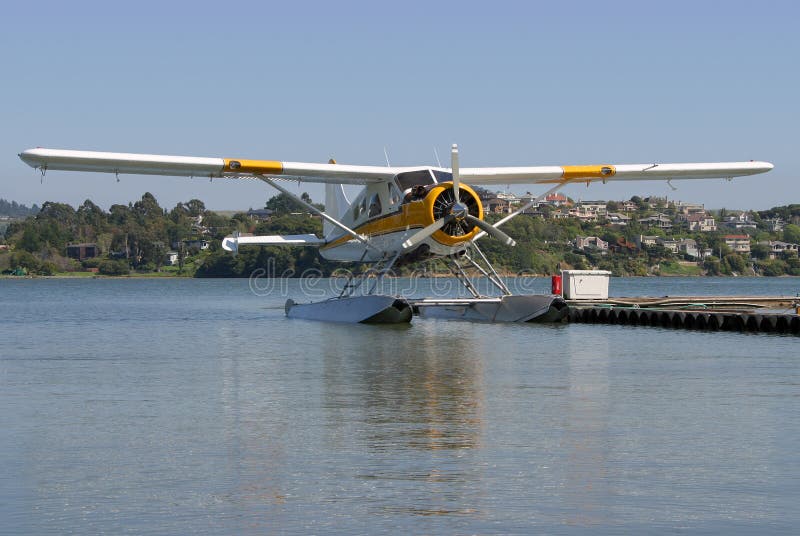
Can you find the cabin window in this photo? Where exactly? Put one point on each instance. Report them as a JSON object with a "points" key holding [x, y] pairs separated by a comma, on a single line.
{"points": [[375, 206], [394, 194], [362, 207]]}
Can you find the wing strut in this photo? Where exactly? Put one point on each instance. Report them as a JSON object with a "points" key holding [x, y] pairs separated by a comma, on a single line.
{"points": [[322, 214], [522, 209]]}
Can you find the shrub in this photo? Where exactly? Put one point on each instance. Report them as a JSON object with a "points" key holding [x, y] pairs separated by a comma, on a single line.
{"points": [[109, 267]]}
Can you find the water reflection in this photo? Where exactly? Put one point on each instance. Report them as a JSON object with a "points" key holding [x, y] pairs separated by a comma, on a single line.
{"points": [[417, 400], [587, 491], [416, 390]]}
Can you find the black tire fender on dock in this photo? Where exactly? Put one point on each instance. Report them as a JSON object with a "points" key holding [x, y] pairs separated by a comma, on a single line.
{"points": [[715, 321], [769, 323], [752, 322], [734, 322]]}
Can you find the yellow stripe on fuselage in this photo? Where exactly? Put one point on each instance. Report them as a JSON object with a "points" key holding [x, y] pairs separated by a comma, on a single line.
{"points": [[260, 167], [410, 216]]}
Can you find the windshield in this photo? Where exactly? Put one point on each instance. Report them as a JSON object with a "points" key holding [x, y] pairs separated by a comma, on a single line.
{"points": [[408, 179], [442, 176]]}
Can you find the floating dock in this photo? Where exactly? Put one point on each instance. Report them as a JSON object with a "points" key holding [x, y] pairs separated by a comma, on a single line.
{"points": [[758, 314]]}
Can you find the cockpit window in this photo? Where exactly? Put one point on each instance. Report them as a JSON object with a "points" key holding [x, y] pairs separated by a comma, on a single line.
{"points": [[375, 206], [442, 176], [408, 179]]}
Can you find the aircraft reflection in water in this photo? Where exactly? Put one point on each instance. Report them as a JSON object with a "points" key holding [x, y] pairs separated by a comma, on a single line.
{"points": [[413, 396]]}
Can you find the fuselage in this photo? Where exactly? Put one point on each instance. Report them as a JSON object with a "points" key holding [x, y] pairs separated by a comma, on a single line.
{"points": [[388, 212]]}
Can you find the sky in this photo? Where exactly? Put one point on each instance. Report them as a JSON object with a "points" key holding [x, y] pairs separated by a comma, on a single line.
{"points": [[513, 83]]}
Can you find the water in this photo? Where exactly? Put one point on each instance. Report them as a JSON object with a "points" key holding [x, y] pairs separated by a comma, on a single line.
{"points": [[194, 406]]}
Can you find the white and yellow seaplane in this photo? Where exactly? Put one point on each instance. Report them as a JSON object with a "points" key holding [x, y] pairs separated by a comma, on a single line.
{"points": [[402, 214]]}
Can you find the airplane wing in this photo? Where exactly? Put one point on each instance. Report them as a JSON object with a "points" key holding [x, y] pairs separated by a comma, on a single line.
{"points": [[609, 172], [188, 166]]}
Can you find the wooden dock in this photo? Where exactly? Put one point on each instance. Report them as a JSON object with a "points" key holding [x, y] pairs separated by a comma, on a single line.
{"points": [[758, 314]]}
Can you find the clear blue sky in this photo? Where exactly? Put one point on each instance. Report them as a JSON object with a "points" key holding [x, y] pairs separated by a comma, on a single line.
{"points": [[514, 83]]}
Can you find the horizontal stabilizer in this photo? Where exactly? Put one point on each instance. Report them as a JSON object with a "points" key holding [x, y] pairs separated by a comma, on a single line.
{"points": [[232, 242]]}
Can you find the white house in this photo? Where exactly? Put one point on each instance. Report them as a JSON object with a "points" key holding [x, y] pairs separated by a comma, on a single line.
{"points": [[738, 243]]}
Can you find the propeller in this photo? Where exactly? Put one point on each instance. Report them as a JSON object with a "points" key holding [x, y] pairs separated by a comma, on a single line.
{"points": [[421, 235], [490, 230], [455, 172], [458, 211]]}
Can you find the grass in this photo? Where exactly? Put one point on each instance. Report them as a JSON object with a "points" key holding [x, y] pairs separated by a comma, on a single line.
{"points": [[680, 269]]}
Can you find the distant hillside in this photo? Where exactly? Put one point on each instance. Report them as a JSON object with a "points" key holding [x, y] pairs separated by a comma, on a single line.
{"points": [[12, 209]]}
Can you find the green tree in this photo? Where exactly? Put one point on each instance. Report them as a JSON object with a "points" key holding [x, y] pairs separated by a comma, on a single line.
{"points": [[284, 204], [791, 234], [735, 263]]}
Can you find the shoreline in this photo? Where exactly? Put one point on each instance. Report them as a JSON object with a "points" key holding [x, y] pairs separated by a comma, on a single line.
{"points": [[442, 276]]}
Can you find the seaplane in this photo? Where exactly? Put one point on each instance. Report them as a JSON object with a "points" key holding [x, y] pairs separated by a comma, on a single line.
{"points": [[401, 215]]}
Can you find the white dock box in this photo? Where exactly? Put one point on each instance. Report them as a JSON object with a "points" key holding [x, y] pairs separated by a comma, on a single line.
{"points": [[585, 284]]}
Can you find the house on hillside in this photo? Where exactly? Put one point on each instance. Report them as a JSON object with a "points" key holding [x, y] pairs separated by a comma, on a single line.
{"points": [[661, 221], [642, 241], [740, 221], [591, 243], [618, 218], [775, 225], [777, 248], [700, 222], [497, 205], [261, 214], [192, 243], [738, 243], [684, 208], [669, 244], [82, 252], [172, 258], [556, 200]]}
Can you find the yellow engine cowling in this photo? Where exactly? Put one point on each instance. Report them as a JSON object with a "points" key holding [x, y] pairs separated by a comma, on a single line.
{"points": [[437, 203]]}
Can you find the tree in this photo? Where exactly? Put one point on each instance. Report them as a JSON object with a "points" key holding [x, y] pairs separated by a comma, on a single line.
{"points": [[735, 263], [760, 251], [791, 234], [712, 266], [284, 204], [109, 267]]}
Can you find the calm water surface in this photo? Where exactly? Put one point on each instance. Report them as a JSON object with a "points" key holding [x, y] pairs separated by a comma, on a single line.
{"points": [[195, 406]]}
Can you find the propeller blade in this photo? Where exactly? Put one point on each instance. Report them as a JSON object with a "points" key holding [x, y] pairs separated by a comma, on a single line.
{"points": [[424, 233], [454, 169], [490, 230]]}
